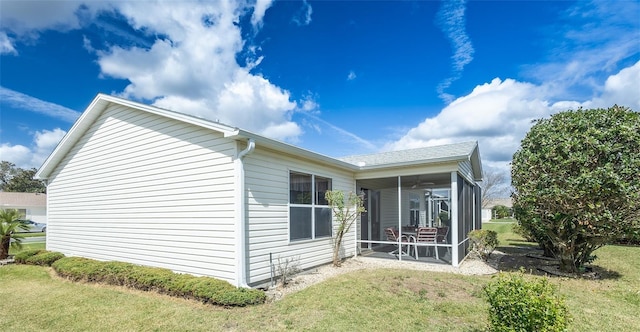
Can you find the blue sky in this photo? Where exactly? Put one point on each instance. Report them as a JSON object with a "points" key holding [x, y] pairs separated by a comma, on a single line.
{"points": [[334, 77]]}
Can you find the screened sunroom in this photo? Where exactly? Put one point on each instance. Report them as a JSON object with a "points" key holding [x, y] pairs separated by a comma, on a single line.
{"points": [[422, 208]]}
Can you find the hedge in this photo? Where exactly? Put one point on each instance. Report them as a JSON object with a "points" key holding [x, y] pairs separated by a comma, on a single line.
{"points": [[38, 257], [205, 289]]}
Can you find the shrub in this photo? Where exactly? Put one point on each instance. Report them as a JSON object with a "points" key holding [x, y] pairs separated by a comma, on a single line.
{"points": [[576, 182], [37, 257], [483, 242], [517, 304], [21, 257], [45, 258], [205, 289]]}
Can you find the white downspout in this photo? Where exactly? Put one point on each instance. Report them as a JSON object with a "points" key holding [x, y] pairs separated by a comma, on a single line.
{"points": [[241, 201]]}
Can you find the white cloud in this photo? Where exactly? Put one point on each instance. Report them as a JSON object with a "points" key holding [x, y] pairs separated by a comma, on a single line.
{"points": [[303, 16], [194, 69], [32, 157], [500, 113], [25, 20], [351, 76], [622, 89], [191, 66], [24, 102], [259, 11], [20, 155], [452, 22], [6, 45], [589, 42]]}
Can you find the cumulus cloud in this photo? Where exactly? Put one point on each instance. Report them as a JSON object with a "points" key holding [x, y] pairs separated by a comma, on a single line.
{"points": [[186, 63], [499, 114], [193, 68], [21, 101], [33, 156], [451, 20]]}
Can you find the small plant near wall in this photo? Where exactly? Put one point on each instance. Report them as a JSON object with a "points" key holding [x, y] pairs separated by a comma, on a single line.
{"points": [[345, 212], [286, 269]]}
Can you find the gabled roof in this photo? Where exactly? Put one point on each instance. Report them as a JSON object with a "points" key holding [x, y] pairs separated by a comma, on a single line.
{"points": [[426, 155], [14, 199], [434, 154], [101, 102]]}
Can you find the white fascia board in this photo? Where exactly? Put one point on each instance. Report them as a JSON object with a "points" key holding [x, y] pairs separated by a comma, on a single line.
{"points": [[81, 125], [414, 163], [292, 150], [476, 163]]}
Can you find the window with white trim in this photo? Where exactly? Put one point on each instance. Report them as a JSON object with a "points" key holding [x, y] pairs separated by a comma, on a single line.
{"points": [[309, 211]]}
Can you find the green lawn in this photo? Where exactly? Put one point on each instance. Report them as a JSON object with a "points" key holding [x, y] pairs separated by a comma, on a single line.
{"points": [[380, 300], [27, 246]]}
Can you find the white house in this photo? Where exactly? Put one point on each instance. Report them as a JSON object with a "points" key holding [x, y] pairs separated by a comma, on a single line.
{"points": [[32, 206], [140, 184]]}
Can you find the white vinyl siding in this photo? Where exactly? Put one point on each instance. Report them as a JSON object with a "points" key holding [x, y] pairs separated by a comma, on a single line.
{"points": [[149, 190], [267, 186]]}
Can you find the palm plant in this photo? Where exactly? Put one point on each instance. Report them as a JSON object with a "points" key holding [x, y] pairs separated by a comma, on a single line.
{"points": [[10, 223]]}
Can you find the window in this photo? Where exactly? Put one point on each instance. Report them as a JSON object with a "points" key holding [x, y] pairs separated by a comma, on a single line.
{"points": [[309, 211]]}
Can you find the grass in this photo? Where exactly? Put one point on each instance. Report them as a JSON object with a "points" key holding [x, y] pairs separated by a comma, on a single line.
{"points": [[39, 234], [27, 246], [503, 220], [506, 236], [381, 300]]}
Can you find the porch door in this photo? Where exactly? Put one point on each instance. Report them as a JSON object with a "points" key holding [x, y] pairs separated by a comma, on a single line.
{"points": [[370, 220]]}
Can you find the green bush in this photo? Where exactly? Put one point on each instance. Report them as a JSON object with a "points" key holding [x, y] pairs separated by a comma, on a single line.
{"points": [[517, 304], [21, 257], [45, 258], [205, 289], [38, 257], [483, 242]]}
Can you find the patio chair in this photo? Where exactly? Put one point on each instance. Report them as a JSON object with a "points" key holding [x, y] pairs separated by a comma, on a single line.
{"points": [[427, 235], [392, 235], [442, 237], [442, 234]]}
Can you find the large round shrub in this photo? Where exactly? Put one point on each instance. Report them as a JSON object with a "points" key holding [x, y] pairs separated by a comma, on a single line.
{"points": [[577, 182]]}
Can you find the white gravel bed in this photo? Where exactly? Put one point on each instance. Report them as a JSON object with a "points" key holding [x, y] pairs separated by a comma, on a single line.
{"points": [[305, 279]]}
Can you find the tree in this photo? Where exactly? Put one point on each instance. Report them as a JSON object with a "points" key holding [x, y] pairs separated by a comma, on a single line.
{"points": [[10, 223], [501, 211], [345, 213], [493, 186], [7, 171], [16, 179], [576, 182]]}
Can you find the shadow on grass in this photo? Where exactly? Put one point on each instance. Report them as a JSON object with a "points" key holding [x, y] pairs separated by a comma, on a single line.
{"points": [[529, 257]]}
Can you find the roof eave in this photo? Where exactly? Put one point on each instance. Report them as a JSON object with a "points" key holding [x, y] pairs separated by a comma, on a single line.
{"points": [[291, 149], [416, 163]]}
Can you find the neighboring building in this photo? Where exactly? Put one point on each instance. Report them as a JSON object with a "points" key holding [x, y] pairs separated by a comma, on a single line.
{"points": [[487, 211], [33, 206], [135, 183]]}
